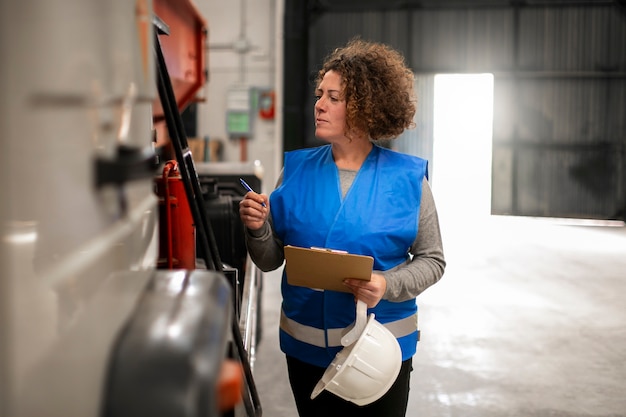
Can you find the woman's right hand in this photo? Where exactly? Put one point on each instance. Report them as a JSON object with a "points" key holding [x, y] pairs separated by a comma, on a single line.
{"points": [[252, 212]]}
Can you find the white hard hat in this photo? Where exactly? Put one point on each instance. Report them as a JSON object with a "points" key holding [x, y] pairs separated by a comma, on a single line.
{"points": [[365, 370]]}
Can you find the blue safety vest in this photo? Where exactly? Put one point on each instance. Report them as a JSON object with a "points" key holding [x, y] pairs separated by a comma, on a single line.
{"points": [[378, 217]]}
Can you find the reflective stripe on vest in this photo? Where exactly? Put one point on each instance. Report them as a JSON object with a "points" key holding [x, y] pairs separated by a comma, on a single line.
{"points": [[314, 336]]}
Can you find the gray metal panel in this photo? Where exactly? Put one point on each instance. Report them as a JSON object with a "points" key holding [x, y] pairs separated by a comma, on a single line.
{"points": [[462, 40], [584, 180], [331, 30], [559, 148], [560, 110], [473, 39], [571, 39], [502, 184], [419, 141]]}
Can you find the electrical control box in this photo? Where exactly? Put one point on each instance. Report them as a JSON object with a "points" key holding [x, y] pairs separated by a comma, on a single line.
{"points": [[239, 112]]}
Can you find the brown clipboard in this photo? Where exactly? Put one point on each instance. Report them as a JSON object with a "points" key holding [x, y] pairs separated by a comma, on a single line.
{"points": [[325, 268]]}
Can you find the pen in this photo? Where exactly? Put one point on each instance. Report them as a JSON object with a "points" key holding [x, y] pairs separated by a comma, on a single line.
{"points": [[247, 187]]}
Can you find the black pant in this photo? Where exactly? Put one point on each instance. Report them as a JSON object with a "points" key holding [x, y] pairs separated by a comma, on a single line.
{"points": [[303, 377]]}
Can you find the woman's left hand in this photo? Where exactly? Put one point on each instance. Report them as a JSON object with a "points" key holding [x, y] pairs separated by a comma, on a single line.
{"points": [[371, 292]]}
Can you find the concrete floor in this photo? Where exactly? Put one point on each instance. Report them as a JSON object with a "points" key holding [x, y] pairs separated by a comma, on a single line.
{"points": [[528, 320]]}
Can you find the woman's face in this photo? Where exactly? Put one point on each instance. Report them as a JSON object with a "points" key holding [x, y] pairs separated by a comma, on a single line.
{"points": [[330, 109]]}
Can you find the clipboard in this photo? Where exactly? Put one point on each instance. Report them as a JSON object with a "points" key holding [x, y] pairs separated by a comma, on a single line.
{"points": [[325, 268]]}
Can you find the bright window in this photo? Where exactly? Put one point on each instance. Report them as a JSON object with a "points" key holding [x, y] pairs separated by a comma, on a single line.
{"points": [[463, 116]]}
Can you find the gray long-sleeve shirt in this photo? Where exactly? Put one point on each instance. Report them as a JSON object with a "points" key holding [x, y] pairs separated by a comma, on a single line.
{"points": [[424, 267]]}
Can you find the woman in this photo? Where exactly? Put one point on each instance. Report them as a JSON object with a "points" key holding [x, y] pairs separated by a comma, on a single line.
{"points": [[353, 195]]}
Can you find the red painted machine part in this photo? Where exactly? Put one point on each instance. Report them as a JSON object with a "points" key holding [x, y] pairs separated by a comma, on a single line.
{"points": [[184, 53], [177, 237], [230, 385]]}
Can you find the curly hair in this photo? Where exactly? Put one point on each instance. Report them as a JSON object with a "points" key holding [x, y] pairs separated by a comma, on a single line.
{"points": [[377, 87]]}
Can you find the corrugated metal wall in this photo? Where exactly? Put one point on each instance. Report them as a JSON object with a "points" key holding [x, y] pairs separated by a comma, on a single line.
{"points": [[559, 146]]}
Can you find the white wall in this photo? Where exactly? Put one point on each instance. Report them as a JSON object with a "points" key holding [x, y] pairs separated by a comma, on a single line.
{"points": [[257, 23]]}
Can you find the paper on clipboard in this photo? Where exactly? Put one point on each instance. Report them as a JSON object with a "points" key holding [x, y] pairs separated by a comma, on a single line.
{"points": [[325, 268]]}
